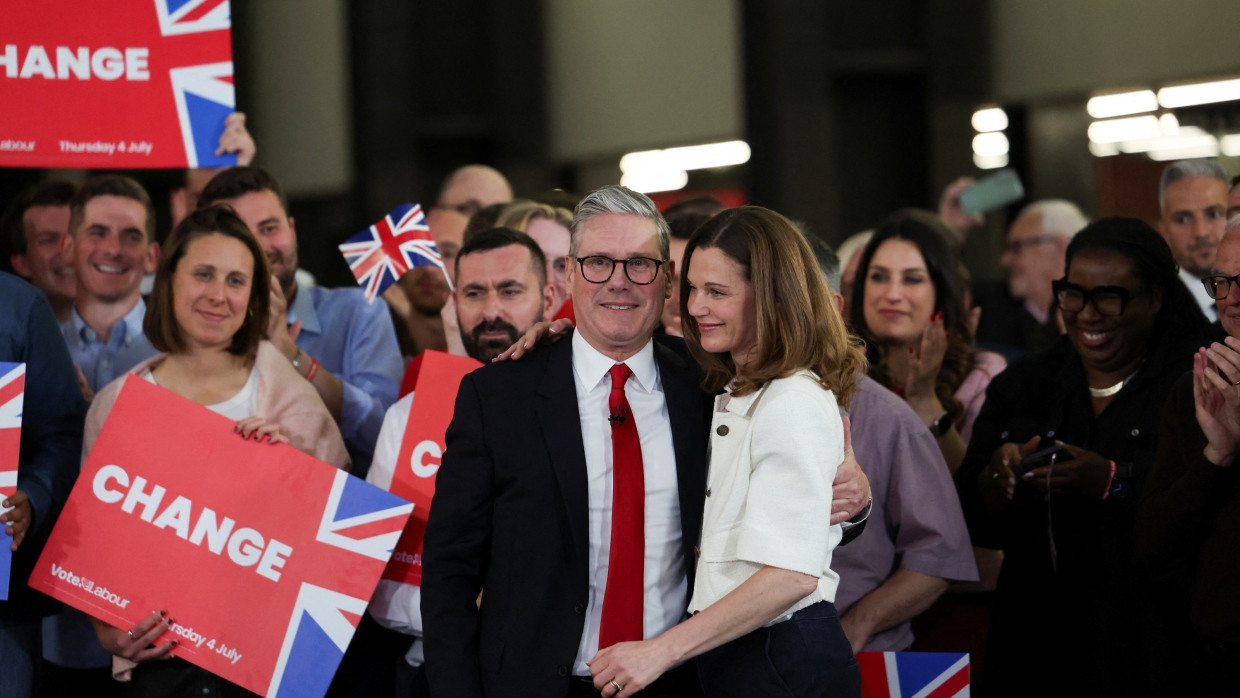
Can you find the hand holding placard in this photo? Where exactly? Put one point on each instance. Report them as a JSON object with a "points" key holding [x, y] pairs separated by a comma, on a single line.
{"points": [[266, 556]]}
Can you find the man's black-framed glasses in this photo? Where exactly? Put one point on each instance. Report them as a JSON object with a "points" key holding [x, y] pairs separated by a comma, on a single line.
{"points": [[1219, 286], [1107, 300], [597, 268]]}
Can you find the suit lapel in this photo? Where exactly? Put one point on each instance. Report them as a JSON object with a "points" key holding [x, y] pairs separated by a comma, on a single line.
{"points": [[561, 430]]}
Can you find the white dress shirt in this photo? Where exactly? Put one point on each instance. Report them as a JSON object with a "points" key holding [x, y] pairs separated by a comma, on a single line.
{"points": [[666, 583], [395, 605], [774, 453]]}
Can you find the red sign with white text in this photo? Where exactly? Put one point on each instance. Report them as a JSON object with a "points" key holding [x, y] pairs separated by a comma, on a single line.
{"points": [[420, 454], [126, 84], [264, 556]]}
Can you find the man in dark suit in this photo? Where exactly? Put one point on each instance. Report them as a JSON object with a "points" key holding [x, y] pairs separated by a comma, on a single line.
{"points": [[523, 502], [527, 493]]}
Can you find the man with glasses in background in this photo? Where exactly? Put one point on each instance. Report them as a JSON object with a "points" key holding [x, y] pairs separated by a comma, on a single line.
{"points": [[1015, 323]]}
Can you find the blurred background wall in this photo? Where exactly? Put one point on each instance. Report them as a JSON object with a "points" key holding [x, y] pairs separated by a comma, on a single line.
{"points": [[848, 110]]}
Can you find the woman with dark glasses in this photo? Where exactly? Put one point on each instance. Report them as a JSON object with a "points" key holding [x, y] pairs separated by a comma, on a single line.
{"points": [[1056, 464]]}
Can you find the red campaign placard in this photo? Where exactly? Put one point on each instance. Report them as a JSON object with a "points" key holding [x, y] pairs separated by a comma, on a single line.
{"points": [[123, 84], [264, 556], [420, 453]]}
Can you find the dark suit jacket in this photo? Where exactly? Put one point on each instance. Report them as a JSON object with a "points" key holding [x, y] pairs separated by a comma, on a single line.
{"points": [[510, 515]]}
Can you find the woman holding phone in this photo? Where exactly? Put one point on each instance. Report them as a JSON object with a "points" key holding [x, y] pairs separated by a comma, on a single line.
{"points": [[1057, 462], [759, 319], [208, 313]]}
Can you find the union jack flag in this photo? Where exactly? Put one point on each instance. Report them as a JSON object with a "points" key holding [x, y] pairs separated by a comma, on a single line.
{"points": [[204, 93], [191, 16], [382, 253], [359, 518], [914, 674], [12, 391]]}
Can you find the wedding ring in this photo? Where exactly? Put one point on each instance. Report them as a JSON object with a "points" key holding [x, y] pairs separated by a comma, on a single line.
{"points": [[1236, 383], [131, 635], [618, 686]]}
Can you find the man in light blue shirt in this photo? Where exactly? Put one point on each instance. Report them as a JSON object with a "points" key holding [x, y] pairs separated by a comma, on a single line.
{"points": [[345, 346], [103, 358], [112, 224]]}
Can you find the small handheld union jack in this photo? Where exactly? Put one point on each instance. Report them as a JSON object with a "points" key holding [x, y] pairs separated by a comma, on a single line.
{"points": [[12, 392], [914, 674], [382, 253]]}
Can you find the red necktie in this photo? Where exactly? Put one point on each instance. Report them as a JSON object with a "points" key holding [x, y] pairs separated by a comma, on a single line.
{"points": [[622, 600]]}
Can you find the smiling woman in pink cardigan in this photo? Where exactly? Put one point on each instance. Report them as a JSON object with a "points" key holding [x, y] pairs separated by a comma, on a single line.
{"points": [[208, 315]]}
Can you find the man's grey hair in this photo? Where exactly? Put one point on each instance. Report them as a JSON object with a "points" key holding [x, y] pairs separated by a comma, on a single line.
{"points": [[828, 261], [1182, 169], [1059, 217], [615, 198], [1233, 223]]}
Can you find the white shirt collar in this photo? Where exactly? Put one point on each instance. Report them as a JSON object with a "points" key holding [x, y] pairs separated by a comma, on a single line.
{"points": [[738, 405], [592, 366]]}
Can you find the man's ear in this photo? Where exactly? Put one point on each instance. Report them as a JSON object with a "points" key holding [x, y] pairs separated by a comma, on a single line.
{"points": [[178, 203], [549, 300], [671, 273], [152, 258], [18, 262], [292, 225]]}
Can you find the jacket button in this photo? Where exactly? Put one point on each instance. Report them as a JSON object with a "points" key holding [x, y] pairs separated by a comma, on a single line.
{"points": [[707, 491], [579, 608], [697, 550], [1136, 432], [563, 670], [722, 430]]}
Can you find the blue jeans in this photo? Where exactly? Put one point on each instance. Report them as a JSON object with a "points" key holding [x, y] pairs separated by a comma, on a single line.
{"points": [[806, 655]]}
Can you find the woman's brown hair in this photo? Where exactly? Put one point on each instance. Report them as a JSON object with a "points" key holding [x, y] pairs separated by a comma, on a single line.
{"points": [[797, 323], [161, 325]]}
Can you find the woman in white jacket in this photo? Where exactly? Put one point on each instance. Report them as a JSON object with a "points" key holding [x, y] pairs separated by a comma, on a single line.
{"points": [[759, 318]]}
